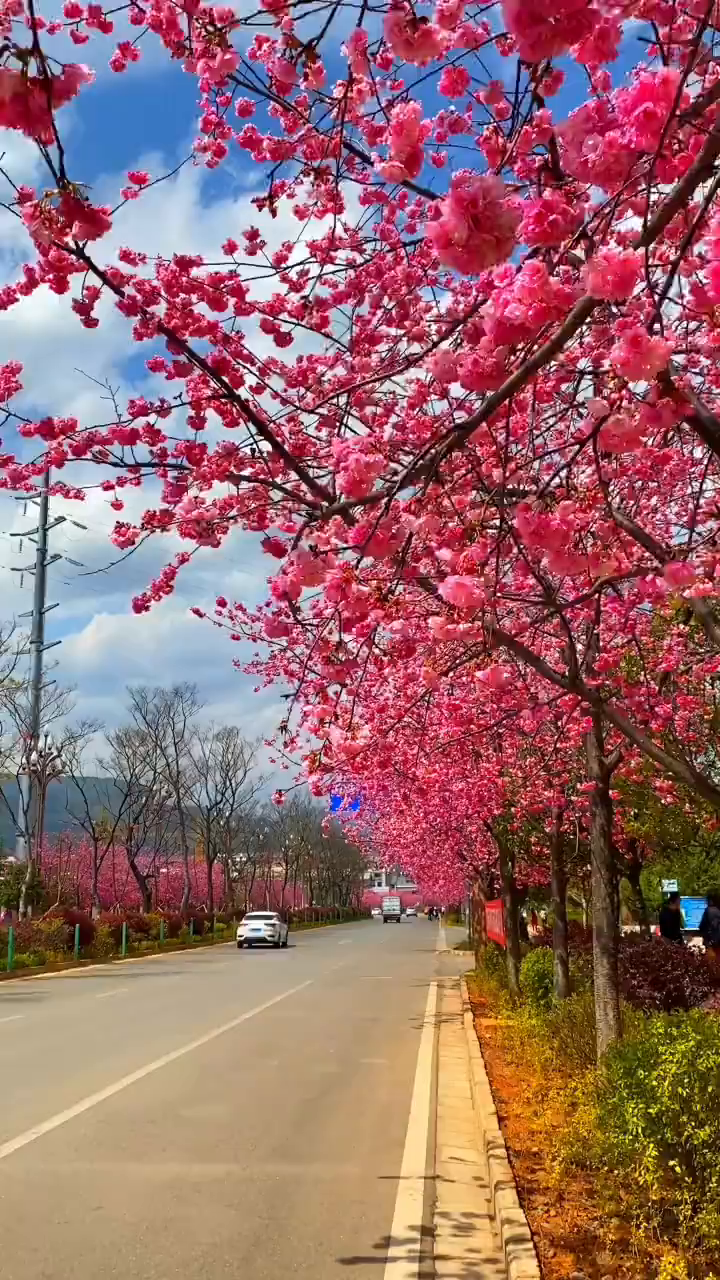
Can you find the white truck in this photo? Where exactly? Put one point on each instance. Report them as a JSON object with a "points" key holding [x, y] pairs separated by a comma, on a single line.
{"points": [[391, 910]]}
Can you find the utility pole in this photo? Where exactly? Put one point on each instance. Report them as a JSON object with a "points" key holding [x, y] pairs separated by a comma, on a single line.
{"points": [[37, 649]]}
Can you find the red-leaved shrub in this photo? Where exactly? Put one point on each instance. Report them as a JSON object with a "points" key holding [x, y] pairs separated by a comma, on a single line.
{"points": [[660, 976], [173, 924], [71, 917]]}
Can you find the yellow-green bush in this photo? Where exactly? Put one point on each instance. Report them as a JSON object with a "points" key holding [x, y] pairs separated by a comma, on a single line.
{"points": [[659, 1120]]}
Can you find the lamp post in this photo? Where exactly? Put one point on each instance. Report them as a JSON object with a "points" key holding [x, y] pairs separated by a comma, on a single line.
{"points": [[45, 765]]}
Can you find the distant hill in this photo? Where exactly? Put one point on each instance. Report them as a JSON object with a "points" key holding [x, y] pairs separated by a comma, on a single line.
{"points": [[63, 799]]}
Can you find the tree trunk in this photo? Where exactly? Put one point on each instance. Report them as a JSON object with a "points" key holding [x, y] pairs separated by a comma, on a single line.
{"points": [[142, 883], [512, 928], [632, 875], [187, 886], [24, 907], [210, 885], [94, 894], [478, 930], [558, 890], [604, 892]]}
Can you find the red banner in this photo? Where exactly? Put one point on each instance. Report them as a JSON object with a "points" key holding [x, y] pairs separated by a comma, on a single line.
{"points": [[495, 922]]}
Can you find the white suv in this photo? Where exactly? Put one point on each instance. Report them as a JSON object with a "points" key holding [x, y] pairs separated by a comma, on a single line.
{"points": [[262, 927]]}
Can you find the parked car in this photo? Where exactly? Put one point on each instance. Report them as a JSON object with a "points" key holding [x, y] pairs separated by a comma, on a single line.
{"points": [[264, 928]]}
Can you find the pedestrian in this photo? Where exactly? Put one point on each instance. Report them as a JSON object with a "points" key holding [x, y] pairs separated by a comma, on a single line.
{"points": [[671, 920], [523, 928], [534, 923], [710, 927]]}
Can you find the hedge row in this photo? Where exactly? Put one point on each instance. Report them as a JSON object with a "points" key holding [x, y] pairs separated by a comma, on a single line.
{"points": [[649, 1113], [52, 938]]}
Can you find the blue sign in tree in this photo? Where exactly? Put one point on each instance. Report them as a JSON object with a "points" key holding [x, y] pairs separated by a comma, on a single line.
{"points": [[338, 802]]}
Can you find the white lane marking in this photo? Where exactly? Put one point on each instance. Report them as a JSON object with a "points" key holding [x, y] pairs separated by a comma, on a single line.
{"points": [[94, 1099], [14, 1017], [105, 995], [405, 1248], [345, 942], [442, 940]]}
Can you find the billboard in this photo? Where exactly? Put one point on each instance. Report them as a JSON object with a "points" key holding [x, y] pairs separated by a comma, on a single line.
{"points": [[692, 909], [495, 922]]}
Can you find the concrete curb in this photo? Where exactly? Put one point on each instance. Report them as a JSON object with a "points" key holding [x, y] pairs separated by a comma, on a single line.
{"points": [[521, 1260]]}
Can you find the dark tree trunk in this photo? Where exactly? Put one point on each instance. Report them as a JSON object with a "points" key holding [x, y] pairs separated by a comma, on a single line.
{"points": [[633, 870], [604, 892], [558, 890], [94, 894], [478, 930], [142, 882], [511, 911], [209, 863]]}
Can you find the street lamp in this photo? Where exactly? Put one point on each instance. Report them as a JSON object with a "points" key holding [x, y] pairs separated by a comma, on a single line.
{"points": [[44, 765]]}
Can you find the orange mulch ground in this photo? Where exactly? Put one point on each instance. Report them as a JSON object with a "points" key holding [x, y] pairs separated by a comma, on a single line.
{"points": [[577, 1232]]}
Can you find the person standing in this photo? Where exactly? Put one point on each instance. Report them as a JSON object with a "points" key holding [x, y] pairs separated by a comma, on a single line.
{"points": [[671, 920], [710, 927]]}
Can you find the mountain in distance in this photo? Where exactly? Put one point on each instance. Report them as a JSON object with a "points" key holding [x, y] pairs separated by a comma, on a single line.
{"points": [[62, 801]]}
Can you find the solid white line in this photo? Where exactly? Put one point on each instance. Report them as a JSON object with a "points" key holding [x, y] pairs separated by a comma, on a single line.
{"points": [[105, 995], [93, 1099], [405, 1249], [14, 1017], [442, 940]]}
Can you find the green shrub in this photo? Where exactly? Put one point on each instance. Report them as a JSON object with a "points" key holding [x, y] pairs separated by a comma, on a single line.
{"points": [[220, 929], [105, 945], [536, 979], [493, 965], [568, 1029], [153, 921], [56, 935], [659, 1119]]}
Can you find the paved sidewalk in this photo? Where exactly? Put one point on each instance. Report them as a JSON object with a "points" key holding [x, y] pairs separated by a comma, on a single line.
{"points": [[466, 1245]]}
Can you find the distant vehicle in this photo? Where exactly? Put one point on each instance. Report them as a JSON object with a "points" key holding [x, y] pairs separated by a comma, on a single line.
{"points": [[391, 910], [376, 913], [264, 928], [411, 912]]}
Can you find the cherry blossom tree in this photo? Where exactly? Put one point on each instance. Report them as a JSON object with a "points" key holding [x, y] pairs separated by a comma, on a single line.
{"points": [[470, 402]]}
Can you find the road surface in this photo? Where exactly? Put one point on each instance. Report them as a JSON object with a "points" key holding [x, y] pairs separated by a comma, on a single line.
{"points": [[220, 1113]]}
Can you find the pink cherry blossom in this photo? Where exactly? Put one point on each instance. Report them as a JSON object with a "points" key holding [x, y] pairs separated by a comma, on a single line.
{"points": [[413, 39], [477, 226], [638, 357], [545, 28], [466, 593], [613, 274]]}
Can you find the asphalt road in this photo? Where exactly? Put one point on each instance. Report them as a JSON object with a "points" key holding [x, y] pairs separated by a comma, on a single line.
{"points": [[217, 1114]]}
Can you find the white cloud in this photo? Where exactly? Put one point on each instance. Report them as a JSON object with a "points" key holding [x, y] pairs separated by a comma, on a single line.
{"points": [[104, 646]]}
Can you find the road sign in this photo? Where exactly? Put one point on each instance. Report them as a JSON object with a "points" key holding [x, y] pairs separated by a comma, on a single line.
{"points": [[669, 886]]}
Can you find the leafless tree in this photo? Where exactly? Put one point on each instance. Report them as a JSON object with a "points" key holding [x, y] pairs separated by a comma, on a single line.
{"points": [[144, 800], [220, 792], [28, 766], [167, 716]]}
